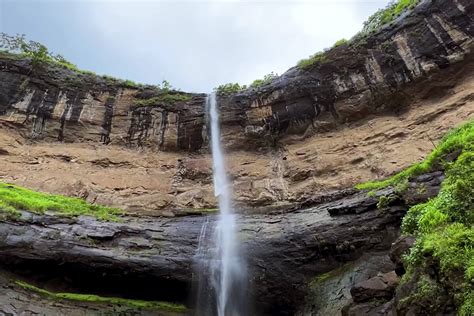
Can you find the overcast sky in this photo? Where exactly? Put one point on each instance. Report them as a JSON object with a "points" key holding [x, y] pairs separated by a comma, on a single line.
{"points": [[195, 45]]}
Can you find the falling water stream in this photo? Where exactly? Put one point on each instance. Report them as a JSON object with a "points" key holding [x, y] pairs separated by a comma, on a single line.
{"points": [[220, 266]]}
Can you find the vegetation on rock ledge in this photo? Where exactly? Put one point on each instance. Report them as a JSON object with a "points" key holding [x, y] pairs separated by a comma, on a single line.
{"points": [[230, 88], [376, 21], [14, 199], [19, 47], [170, 307], [443, 226], [384, 16]]}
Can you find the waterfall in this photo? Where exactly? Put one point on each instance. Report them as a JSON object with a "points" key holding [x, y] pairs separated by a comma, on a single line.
{"points": [[221, 270]]}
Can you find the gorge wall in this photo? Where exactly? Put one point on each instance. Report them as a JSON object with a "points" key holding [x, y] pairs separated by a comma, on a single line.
{"points": [[308, 132], [296, 146], [367, 76]]}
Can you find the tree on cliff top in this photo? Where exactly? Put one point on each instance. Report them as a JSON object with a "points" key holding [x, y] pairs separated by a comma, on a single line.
{"points": [[38, 52]]}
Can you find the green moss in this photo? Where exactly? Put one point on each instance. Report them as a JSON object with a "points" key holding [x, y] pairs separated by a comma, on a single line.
{"points": [[14, 198], [316, 59], [323, 277], [171, 307], [467, 309]]}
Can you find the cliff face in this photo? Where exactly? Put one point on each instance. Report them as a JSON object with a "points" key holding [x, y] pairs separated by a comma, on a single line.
{"points": [[52, 103], [377, 74], [306, 134], [295, 147], [368, 76]]}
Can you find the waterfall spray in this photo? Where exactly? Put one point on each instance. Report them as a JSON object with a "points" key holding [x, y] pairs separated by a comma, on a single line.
{"points": [[221, 259]]}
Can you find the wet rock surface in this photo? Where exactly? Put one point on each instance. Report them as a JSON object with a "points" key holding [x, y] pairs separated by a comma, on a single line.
{"points": [[284, 251]]}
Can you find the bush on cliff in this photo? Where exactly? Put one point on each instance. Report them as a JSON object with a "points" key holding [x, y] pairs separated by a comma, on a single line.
{"points": [[386, 15], [443, 255]]}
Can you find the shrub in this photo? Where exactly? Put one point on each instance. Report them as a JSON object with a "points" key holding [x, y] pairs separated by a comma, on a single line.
{"points": [[340, 42], [387, 15], [459, 139], [316, 59], [266, 79], [229, 88]]}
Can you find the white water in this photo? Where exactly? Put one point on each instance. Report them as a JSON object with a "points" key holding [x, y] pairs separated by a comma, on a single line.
{"points": [[227, 272]]}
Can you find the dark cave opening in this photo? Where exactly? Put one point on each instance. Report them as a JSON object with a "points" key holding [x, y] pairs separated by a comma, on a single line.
{"points": [[112, 281]]}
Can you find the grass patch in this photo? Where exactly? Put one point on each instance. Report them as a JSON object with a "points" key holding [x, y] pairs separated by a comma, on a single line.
{"points": [[377, 20], [14, 198], [317, 59], [109, 300], [458, 140]]}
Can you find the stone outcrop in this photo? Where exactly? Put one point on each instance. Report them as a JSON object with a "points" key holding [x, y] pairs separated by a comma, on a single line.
{"points": [[284, 251]]}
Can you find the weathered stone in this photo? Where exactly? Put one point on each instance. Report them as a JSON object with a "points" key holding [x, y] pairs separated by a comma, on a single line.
{"points": [[380, 286], [399, 248]]}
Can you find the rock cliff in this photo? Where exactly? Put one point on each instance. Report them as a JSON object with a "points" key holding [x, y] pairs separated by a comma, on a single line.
{"points": [[309, 131], [295, 148]]}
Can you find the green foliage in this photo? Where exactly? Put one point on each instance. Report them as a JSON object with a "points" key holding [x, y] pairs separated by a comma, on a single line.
{"points": [[35, 50], [164, 97], [385, 201], [19, 47], [15, 198], [108, 300], [467, 309], [388, 14], [444, 225], [426, 290], [459, 139], [340, 42], [229, 88], [317, 59], [165, 86], [266, 79]]}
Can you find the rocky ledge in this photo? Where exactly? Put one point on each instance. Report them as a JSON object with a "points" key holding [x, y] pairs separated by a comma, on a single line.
{"points": [[285, 252]]}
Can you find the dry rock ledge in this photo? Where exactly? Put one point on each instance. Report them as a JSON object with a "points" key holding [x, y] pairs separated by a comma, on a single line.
{"points": [[153, 257]]}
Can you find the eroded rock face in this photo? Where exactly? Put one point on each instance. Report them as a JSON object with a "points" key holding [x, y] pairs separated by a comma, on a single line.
{"points": [[56, 104], [284, 251], [357, 80], [366, 77]]}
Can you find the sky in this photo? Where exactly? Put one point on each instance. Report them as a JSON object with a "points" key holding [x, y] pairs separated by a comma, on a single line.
{"points": [[195, 45]]}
